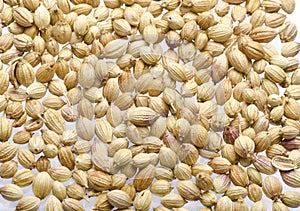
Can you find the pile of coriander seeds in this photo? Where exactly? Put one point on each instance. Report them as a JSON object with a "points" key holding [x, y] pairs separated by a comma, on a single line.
{"points": [[149, 105]]}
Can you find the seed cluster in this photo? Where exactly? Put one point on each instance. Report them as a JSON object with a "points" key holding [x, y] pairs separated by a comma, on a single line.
{"points": [[91, 96]]}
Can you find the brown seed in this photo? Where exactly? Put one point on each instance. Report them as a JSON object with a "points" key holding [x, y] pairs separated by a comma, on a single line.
{"points": [[263, 34], [220, 33], [208, 199], [75, 191], [118, 181], [130, 190], [36, 90], [104, 131], [188, 154], [204, 181], [8, 169], [43, 164], [238, 60], [14, 110], [66, 157], [142, 116], [279, 206], [99, 180], [288, 32], [238, 176], [272, 187], [144, 178], [23, 42]]}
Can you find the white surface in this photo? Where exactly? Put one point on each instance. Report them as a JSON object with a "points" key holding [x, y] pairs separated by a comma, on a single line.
{"points": [[88, 204]]}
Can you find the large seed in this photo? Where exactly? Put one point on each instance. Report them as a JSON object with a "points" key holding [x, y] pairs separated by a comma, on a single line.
{"points": [[28, 203], [5, 129], [142, 116], [119, 199], [42, 185], [11, 192]]}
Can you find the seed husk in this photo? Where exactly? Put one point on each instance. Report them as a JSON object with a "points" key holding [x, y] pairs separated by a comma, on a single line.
{"points": [[283, 164]]}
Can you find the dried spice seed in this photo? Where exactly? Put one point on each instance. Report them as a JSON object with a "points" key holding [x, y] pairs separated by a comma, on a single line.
{"points": [[153, 111], [42, 185]]}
